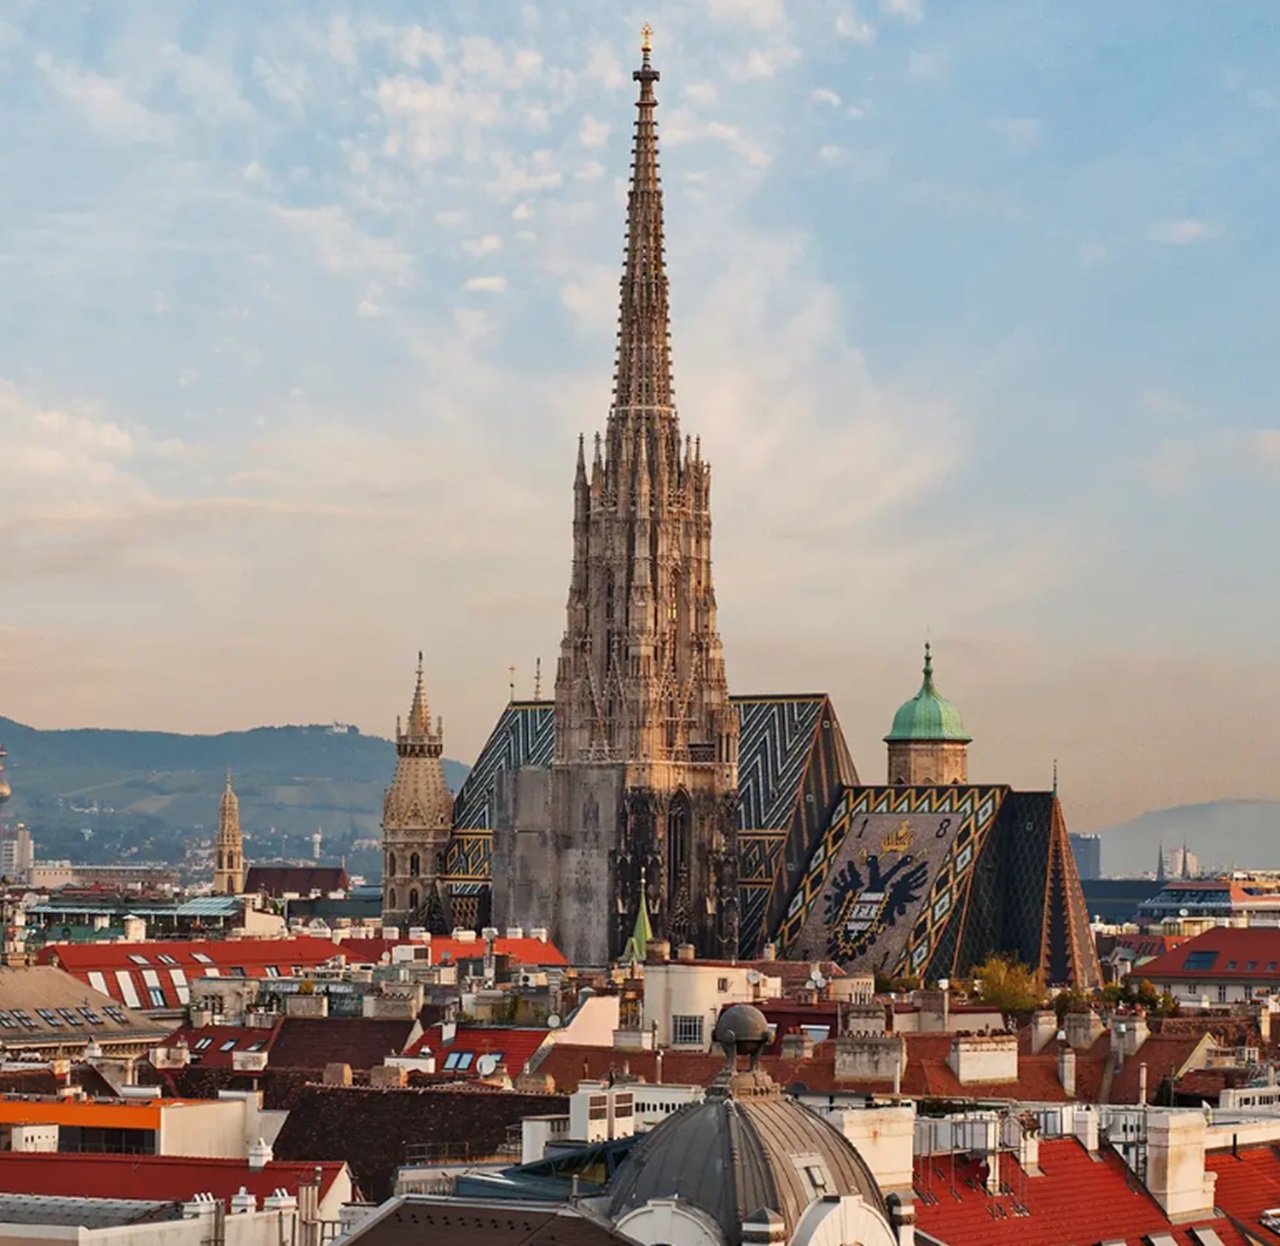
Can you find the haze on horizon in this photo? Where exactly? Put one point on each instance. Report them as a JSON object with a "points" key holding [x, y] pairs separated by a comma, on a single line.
{"points": [[973, 310]]}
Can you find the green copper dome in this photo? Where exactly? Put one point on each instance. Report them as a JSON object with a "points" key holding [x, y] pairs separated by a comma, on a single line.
{"points": [[928, 716]]}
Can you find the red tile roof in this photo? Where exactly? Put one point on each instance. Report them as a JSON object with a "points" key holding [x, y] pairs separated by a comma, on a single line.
{"points": [[1248, 1185], [131, 972], [361, 1042], [1078, 1199], [168, 1178], [515, 1047], [1246, 954], [215, 1046], [297, 880]]}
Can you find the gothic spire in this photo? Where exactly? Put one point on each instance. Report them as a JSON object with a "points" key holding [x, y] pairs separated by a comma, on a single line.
{"points": [[642, 377], [419, 715]]}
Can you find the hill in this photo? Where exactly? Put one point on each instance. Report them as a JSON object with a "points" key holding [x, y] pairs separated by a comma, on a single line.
{"points": [[96, 795], [1221, 834]]}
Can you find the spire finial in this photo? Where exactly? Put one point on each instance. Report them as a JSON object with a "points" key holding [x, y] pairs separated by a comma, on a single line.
{"points": [[537, 680], [228, 778], [928, 665], [1055, 776], [646, 39], [511, 681]]}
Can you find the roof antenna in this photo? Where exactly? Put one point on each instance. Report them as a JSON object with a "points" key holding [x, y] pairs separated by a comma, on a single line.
{"points": [[511, 681], [537, 680], [1055, 776]]}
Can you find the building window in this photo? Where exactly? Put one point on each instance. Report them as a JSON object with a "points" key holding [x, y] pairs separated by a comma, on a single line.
{"points": [[686, 1031], [1222, 993], [391, 899], [391, 870], [722, 985], [413, 900], [415, 865], [157, 996]]}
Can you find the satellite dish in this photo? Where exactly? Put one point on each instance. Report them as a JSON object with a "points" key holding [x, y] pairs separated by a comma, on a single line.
{"points": [[486, 1066], [553, 1021], [817, 979], [753, 976], [1182, 913]]}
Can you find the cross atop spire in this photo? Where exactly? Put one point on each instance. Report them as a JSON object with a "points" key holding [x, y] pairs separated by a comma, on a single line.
{"points": [[642, 376]]}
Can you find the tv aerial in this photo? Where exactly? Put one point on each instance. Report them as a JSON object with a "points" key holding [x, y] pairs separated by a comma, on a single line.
{"points": [[486, 1066]]}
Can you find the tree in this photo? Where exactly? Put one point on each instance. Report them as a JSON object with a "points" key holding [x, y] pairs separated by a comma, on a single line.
{"points": [[1009, 985]]}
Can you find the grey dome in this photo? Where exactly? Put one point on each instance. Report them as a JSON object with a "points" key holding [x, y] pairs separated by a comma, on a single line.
{"points": [[736, 1153], [742, 1028]]}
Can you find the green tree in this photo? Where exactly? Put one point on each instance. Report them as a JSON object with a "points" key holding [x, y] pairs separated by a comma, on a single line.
{"points": [[1009, 985]]}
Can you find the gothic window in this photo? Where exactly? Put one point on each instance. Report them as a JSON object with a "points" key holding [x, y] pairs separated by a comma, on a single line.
{"points": [[391, 899], [220, 861], [415, 864], [413, 899], [391, 867], [679, 832]]}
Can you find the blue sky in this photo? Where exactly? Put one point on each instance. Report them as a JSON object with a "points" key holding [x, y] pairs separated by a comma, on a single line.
{"points": [[305, 304]]}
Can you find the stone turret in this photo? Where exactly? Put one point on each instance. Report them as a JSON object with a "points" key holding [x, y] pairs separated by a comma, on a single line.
{"points": [[228, 846], [417, 814]]}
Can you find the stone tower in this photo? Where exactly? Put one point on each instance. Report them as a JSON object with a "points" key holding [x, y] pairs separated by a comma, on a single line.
{"points": [[228, 846], [417, 815], [928, 744], [644, 783]]}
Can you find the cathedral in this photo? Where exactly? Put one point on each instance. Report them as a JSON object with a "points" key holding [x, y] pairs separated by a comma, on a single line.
{"points": [[737, 821], [228, 846]]}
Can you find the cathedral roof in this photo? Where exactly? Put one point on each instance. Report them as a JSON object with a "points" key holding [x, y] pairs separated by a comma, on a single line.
{"points": [[928, 716]]}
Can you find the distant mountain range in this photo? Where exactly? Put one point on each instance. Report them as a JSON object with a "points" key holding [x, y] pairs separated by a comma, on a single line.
{"points": [[103, 795], [1220, 834]]}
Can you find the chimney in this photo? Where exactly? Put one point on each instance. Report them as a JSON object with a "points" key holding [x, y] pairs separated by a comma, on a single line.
{"points": [[243, 1202], [798, 1045], [1086, 1128], [1067, 1071], [770, 951], [1083, 1029], [657, 950], [1044, 1025], [337, 1074], [902, 1215], [1176, 1177], [685, 952], [260, 1155]]}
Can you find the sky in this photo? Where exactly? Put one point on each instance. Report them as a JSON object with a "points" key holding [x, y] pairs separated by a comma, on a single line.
{"points": [[304, 305]]}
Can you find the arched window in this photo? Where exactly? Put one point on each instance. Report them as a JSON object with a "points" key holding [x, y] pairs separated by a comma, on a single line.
{"points": [[413, 900], [391, 900], [415, 865], [679, 841], [391, 867], [221, 863]]}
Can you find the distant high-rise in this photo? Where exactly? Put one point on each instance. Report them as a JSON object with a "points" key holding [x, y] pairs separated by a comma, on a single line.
{"points": [[417, 815], [1087, 850], [228, 846], [645, 777]]}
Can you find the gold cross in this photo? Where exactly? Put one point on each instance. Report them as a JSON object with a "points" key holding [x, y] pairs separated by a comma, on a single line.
{"points": [[646, 38]]}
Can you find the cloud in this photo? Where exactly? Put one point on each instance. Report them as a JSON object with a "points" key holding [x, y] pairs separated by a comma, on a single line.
{"points": [[1019, 133], [924, 66], [486, 285], [765, 62], [593, 133], [756, 14], [824, 95], [486, 245], [604, 68], [342, 246], [850, 26], [1183, 232], [433, 118], [286, 84], [906, 10], [342, 41], [213, 89], [106, 104]]}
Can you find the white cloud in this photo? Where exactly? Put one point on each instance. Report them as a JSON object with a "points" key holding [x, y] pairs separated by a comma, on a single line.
{"points": [[590, 172], [683, 127], [703, 93], [766, 62], [824, 95], [343, 247], [106, 104], [486, 245], [522, 212], [849, 25], [213, 89], [435, 117], [593, 133], [519, 175], [415, 44], [486, 285], [1183, 232], [757, 14], [924, 65], [831, 153], [342, 41], [286, 84], [604, 68], [1019, 133], [254, 174], [907, 10]]}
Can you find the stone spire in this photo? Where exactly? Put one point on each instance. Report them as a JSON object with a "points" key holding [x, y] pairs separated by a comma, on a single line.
{"points": [[640, 683], [228, 845], [417, 811]]}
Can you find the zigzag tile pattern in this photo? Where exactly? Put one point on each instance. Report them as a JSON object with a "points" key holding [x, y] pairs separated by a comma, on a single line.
{"points": [[525, 736], [775, 742]]}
